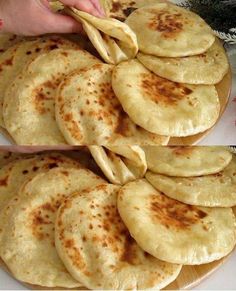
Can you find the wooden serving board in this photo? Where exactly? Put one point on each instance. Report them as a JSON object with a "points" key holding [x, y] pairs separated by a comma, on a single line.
{"points": [[189, 277]]}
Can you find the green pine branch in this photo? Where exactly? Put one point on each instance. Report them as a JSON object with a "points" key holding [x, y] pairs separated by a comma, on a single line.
{"points": [[220, 15]]}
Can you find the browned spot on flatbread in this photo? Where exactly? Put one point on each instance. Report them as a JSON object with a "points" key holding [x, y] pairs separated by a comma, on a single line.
{"points": [[174, 214], [4, 181], [168, 24], [116, 6], [182, 151], [161, 90], [74, 254], [8, 62], [42, 218], [129, 254]]}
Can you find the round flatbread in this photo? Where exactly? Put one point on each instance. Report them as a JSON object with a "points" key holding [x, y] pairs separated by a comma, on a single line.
{"points": [[114, 40], [170, 31], [162, 106], [29, 107], [97, 249], [88, 112], [207, 68], [120, 164], [27, 243], [175, 232], [187, 161], [216, 190], [18, 56], [15, 173]]}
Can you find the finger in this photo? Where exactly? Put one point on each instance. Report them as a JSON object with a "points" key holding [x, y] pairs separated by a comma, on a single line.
{"points": [[84, 5], [57, 23], [98, 6]]}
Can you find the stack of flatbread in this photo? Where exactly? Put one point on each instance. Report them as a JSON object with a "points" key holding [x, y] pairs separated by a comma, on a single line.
{"points": [[64, 226], [150, 75]]}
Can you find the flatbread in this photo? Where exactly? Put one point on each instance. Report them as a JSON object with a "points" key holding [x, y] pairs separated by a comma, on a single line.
{"points": [[27, 227], [29, 108], [170, 31], [187, 161], [97, 249], [216, 190], [89, 113], [161, 106], [121, 9], [207, 68], [15, 173], [120, 164], [114, 40], [175, 232], [18, 56]]}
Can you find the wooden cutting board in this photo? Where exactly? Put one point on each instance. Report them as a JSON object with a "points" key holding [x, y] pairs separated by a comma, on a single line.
{"points": [[190, 276]]}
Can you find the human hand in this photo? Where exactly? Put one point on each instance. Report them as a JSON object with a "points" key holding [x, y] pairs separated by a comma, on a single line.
{"points": [[34, 17]]}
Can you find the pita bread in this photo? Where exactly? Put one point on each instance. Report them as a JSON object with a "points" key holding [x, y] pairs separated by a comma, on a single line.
{"points": [[14, 174], [18, 56], [121, 9], [97, 249], [167, 30], [27, 238], [161, 106], [88, 112], [114, 40], [29, 107], [175, 232], [120, 164], [207, 68], [216, 190], [187, 161]]}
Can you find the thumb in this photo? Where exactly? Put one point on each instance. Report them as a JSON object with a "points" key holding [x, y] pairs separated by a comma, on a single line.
{"points": [[57, 23]]}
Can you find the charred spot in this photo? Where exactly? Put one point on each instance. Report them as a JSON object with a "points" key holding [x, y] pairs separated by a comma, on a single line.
{"points": [[65, 54], [37, 50], [128, 11], [116, 6], [65, 173], [69, 243], [25, 172], [129, 253], [53, 47], [4, 181], [68, 117], [123, 122], [174, 214], [35, 169], [161, 90], [28, 52], [167, 24], [9, 62], [52, 165]]}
